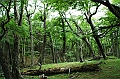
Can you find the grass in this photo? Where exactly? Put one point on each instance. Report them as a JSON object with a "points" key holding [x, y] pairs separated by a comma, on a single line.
{"points": [[1, 77], [110, 69]]}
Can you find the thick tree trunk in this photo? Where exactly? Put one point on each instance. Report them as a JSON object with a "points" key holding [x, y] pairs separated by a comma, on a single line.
{"points": [[15, 59], [98, 42], [15, 54], [5, 65], [53, 71]]}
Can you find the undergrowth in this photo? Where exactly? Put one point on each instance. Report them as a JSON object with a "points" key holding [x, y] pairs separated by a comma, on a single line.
{"points": [[110, 69]]}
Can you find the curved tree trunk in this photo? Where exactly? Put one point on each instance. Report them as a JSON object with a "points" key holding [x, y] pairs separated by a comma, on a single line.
{"points": [[114, 9], [84, 39], [89, 20]]}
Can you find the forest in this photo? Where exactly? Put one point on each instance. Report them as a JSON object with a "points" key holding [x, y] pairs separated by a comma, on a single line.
{"points": [[52, 37]]}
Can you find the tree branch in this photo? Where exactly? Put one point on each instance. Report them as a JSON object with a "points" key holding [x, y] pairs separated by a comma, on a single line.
{"points": [[8, 19], [94, 12], [2, 5], [114, 9]]}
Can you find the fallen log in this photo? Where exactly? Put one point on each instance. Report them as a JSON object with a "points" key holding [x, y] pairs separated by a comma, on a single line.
{"points": [[53, 71]]}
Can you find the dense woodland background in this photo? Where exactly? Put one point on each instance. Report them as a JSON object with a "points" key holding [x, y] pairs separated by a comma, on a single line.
{"points": [[54, 31]]}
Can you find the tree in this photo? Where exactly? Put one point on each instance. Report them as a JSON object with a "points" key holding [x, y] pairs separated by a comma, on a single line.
{"points": [[15, 55], [113, 8], [3, 62], [31, 32], [89, 20]]}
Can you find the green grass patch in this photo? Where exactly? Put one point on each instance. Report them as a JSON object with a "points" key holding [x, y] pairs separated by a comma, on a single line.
{"points": [[1, 77], [110, 70]]}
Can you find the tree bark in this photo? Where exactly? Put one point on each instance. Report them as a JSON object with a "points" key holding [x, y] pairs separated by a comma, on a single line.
{"points": [[15, 55], [5, 65], [4, 62], [23, 53], [89, 17], [31, 39], [64, 41], [15, 59], [54, 71], [42, 57], [84, 38], [81, 53], [31, 33], [81, 32], [51, 46], [114, 9]]}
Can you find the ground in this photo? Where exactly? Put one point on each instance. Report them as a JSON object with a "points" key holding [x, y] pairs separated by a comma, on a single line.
{"points": [[110, 69]]}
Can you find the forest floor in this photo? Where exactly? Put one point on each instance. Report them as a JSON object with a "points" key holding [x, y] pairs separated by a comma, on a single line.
{"points": [[110, 69]]}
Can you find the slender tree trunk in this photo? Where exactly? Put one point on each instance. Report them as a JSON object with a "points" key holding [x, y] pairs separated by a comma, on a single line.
{"points": [[42, 58], [81, 54], [98, 42], [88, 17], [52, 47], [23, 53], [89, 46], [81, 32], [31, 33], [31, 41], [118, 54], [64, 41], [114, 9]]}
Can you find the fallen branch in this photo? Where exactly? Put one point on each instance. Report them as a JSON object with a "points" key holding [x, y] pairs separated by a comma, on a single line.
{"points": [[54, 71]]}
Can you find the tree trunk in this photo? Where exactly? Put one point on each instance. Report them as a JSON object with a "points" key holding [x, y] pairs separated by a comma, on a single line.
{"points": [[114, 9], [88, 17], [15, 59], [23, 53], [118, 54], [81, 32], [84, 39], [89, 46], [98, 42], [15, 54], [54, 71], [5, 65], [81, 53], [42, 58], [31, 40], [51, 46], [64, 41]]}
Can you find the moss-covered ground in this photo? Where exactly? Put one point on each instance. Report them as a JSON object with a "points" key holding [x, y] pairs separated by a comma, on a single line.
{"points": [[110, 69]]}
